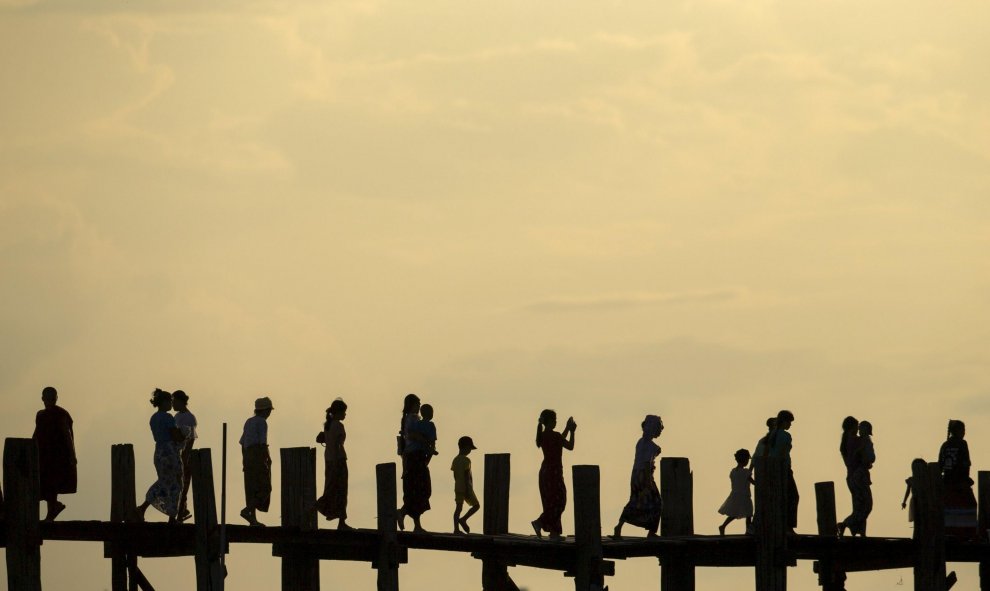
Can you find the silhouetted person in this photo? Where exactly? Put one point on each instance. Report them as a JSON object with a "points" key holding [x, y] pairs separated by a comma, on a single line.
{"points": [[739, 503], [257, 462], [165, 492], [761, 450], [859, 455], [463, 485], [553, 491], [333, 503], [643, 507], [779, 444], [56, 452], [416, 485], [909, 485], [427, 431], [186, 423], [960, 503]]}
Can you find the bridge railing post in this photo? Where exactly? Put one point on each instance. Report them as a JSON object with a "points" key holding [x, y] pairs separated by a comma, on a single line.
{"points": [[929, 526], [299, 573], [21, 481], [589, 574], [209, 571], [770, 524], [388, 553], [495, 520], [123, 505], [676, 519]]}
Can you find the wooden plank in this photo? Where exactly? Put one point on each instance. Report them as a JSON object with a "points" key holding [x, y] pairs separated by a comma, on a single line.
{"points": [[495, 520], [300, 573], [830, 576], [209, 570], [388, 560], [587, 529], [676, 519], [771, 524], [983, 502], [21, 481], [929, 526]]}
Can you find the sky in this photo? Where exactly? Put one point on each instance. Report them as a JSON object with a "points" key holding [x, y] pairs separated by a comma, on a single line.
{"points": [[705, 209]]}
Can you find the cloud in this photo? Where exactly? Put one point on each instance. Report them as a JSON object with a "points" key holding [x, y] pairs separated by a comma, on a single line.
{"points": [[618, 301]]}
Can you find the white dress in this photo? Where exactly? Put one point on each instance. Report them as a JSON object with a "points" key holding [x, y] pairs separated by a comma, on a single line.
{"points": [[739, 503]]}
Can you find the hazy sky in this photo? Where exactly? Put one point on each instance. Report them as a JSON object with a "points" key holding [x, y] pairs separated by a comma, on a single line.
{"points": [[705, 209]]}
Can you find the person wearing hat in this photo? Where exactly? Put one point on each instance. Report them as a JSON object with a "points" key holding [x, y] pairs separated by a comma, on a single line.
{"points": [[463, 485], [257, 462], [185, 421]]}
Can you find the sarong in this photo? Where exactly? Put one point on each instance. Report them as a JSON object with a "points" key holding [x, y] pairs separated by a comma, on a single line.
{"points": [[164, 493], [553, 495], [643, 508], [257, 477], [416, 484], [333, 503]]}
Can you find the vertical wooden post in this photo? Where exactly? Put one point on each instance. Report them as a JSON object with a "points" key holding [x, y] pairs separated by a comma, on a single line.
{"points": [[830, 576], [929, 526], [209, 571], [123, 505], [771, 524], [388, 553], [495, 520], [298, 498], [588, 574], [676, 519], [21, 480], [983, 500]]}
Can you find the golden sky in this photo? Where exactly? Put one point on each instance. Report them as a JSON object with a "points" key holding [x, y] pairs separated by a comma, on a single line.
{"points": [[705, 209]]}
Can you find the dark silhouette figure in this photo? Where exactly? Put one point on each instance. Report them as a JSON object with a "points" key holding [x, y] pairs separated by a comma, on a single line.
{"points": [[908, 501], [960, 503], [186, 423], [739, 503], [779, 444], [165, 492], [257, 462], [333, 503], [56, 452], [463, 485], [643, 507], [416, 454], [553, 491], [858, 454], [761, 450]]}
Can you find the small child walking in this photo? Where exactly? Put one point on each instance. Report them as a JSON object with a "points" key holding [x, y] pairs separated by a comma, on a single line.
{"points": [[739, 504], [463, 485]]}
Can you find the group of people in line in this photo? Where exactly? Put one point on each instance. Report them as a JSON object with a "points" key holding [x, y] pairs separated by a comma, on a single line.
{"points": [[175, 436]]}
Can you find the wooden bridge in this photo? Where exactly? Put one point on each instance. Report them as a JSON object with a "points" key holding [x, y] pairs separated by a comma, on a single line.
{"points": [[588, 557]]}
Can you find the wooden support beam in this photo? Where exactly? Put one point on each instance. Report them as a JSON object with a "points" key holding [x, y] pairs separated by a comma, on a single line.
{"points": [[388, 560], [676, 519], [929, 526], [298, 502], [830, 576], [210, 571], [21, 480], [771, 524], [983, 502], [589, 575], [495, 520], [123, 506]]}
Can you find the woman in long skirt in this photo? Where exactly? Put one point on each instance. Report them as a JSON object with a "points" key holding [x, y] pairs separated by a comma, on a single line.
{"points": [[553, 492], [643, 508], [333, 503], [416, 485], [165, 492], [960, 503]]}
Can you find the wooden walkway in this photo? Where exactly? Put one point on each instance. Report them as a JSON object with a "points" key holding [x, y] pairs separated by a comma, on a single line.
{"points": [[587, 556]]}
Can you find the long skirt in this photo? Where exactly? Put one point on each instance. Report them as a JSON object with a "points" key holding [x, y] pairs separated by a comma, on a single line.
{"points": [[185, 455], [257, 477], [164, 493], [553, 495], [643, 508], [792, 500], [416, 485], [960, 510], [333, 503], [859, 483]]}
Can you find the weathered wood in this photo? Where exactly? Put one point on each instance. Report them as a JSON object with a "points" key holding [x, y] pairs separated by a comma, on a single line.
{"points": [[983, 502], [676, 519], [495, 520], [21, 481], [771, 524], [830, 576], [298, 511], [123, 506], [589, 575], [929, 526], [388, 560], [209, 570]]}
